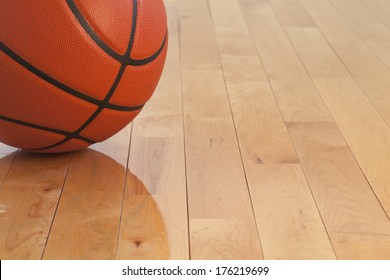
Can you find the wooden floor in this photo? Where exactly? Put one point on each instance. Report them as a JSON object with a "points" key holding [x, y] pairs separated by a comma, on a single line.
{"points": [[268, 137]]}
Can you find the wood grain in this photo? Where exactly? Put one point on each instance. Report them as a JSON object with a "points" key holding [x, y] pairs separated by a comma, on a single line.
{"points": [[342, 193], [28, 199], [366, 133], [267, 150], [227, 239], [370, 73], [290, 225], [87, 220], [216, 182], [370, 29], [142, 233], [362, 246], [325, 157], [297, 98], [154, 216], [379, 8], [268, 136]]}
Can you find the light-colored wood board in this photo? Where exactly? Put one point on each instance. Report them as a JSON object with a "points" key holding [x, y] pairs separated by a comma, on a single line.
{"points": [[162, 115], [345, 199], [197, 36], [215, 178], [366, 68], [170, 3], [259, 124], [358, 246], [289, 223], [248, 67], [87, 220], [373, 32], [156, 192], [264, 140], [224, 239], [205, 95], [379, 8], [28, 200], [232, 35], [142, 233], [297, 98], [292, 16], [365, 132], [261, 131], [215, 174]]}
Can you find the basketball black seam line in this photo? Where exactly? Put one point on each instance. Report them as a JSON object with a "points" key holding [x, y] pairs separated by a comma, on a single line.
{"points": [[57, 131], [58, 144], [123, 59], [90, 119], [10, 53], [116, 81], [122, 69]]}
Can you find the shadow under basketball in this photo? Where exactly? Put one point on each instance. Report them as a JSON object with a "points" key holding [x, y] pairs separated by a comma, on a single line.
{"points": [[81, 205]]}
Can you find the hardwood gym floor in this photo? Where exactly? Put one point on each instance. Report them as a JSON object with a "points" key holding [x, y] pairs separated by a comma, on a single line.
{"points": [[268, 137]]}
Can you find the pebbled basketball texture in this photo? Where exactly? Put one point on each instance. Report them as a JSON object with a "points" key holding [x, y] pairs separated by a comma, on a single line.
{"points": [[75, 72]]}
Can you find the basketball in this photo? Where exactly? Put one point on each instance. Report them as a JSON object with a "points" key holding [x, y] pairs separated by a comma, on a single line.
{"points": [[75, 72]]}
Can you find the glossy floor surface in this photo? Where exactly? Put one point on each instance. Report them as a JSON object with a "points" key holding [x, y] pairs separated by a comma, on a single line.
{"points": [[267, 137]]}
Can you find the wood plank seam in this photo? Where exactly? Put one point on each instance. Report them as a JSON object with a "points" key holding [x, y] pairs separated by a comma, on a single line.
{"points": [[55, 211], [184, 142], [235, 130], [307, 73], [8, 169], [124, 189], [305, 70], [358, 85], [272, 90], [278, 109], [359, 35], [387, 121], [374, 14]]}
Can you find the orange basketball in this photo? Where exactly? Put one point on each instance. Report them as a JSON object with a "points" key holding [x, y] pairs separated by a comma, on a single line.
{"points": [[75, 72]]}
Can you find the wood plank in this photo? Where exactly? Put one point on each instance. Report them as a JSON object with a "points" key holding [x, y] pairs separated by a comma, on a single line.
{"points": [[366, 68], [86, 224], [154, 219], [373, 32], [324, 155], [380, 8], [290, 225], [266, 148], [343, 195], [216, 182], [29, 198], [297, 98], [227, 239], [362, 246], [202, 52], [366, 133]]}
